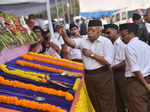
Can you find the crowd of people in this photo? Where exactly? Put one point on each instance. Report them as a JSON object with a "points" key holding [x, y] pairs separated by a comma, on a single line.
{"points": [[115, 58]]}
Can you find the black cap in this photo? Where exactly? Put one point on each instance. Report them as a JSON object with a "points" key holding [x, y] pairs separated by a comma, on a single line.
{"points": [[123, 26], [136, 17], [110, 26], [72, 25], [95, 23], [131, 27]]}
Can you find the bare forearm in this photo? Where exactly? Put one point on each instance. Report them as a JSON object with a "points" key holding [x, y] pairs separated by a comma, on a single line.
{"points": [[68, 41], [35, 48], [118, 66], [101, 60], [57, 49], [141, 78]]}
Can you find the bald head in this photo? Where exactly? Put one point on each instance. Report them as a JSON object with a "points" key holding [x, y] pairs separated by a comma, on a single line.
{"points": [[148, 15]]}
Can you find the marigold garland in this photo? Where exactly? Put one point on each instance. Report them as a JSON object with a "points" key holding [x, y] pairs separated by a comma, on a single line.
{"points": [[28, 75], [68, 96], [52, 61], [30, 104], [55, 58], [25, 63]]}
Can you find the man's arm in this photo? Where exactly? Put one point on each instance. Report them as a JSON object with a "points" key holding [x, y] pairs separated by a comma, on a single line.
{"points": [[139, 75], [100, 59], [120, 65], [67, 40]]}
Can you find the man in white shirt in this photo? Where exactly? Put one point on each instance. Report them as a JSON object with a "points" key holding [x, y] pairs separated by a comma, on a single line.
{"points": [[74, 53], [118, 66], [97, 54], [137, 71]]}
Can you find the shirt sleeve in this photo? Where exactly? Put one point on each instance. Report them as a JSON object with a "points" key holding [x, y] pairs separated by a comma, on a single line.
{"points": [[131, 59], [78, 43], [108, 51]]}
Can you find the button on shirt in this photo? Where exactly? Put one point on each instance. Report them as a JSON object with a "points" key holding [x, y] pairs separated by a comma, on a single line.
{"points": [[101, 47], [137, 55], [119, 48]]}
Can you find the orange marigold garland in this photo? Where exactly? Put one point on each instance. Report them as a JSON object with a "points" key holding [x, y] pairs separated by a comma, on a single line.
{"points": [[68, 96], [52, 61], [55, 58], [25, 63], [30, 104]]}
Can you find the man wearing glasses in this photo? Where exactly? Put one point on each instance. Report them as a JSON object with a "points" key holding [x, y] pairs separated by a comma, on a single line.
{"points": [[118, 66], [137, 71]]}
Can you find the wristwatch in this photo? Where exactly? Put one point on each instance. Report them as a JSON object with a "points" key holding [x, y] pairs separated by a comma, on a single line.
{"points": [[92, 55]]}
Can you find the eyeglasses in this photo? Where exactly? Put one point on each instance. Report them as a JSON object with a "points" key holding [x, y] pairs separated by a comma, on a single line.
{"points": [[108, 32]]}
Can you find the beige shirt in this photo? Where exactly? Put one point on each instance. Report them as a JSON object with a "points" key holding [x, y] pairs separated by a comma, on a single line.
{"points": [[101, 47], [119, 48], [137, 55]]}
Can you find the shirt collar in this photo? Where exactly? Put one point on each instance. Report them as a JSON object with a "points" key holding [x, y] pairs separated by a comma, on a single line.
{"points": [[117, 40], [133, 39]]}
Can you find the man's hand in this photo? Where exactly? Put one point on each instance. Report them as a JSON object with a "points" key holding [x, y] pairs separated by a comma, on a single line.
{"points": [[86, 52], [148, 87], [61, 30]]}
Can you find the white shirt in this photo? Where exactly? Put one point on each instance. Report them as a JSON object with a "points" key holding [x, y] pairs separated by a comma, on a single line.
{"points": [[102, 47], [58, 38], [52, 52], [137, 55], [74, 52], [119, 48], [147, 27]]}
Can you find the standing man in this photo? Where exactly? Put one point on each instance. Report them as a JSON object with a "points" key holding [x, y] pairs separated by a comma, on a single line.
{"points": [[118, 66], [137, 69], [98, 54]]}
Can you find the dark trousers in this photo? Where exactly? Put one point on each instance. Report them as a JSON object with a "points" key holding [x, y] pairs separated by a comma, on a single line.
{"points": [[137, 95], [120, 89], [100, 88]]}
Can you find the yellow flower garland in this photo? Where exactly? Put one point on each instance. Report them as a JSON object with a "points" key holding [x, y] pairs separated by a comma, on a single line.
{"points": [[68, 96], [29, 64], [28, 75], [30, 104], [55, 58], [52, 61]]}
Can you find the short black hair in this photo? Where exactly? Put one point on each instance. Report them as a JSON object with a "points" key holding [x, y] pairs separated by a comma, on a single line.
{"points": [[72, 25], [136, 16]]}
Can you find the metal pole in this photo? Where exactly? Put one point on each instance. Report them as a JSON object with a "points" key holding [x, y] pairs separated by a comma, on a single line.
{"points": [[50, 26], [68, 12], [57, 11], [63, 11]]}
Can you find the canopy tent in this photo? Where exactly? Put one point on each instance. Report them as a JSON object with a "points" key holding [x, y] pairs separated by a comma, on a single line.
{"points": [[106, 7], [26, 7]]}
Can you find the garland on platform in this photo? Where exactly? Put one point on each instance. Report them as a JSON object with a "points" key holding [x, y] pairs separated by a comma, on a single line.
{"points": [[52, 61], [68, 96], [28, 75], [30, 104], [55, 58], [29, 64]]}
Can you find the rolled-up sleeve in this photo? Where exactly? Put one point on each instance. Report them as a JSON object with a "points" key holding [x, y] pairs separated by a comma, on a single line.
{"points": [[131, 58], [108, 51]]}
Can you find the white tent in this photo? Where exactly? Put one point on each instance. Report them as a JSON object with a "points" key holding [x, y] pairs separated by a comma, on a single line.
{"points": [[26, 7], [109, 5]]}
